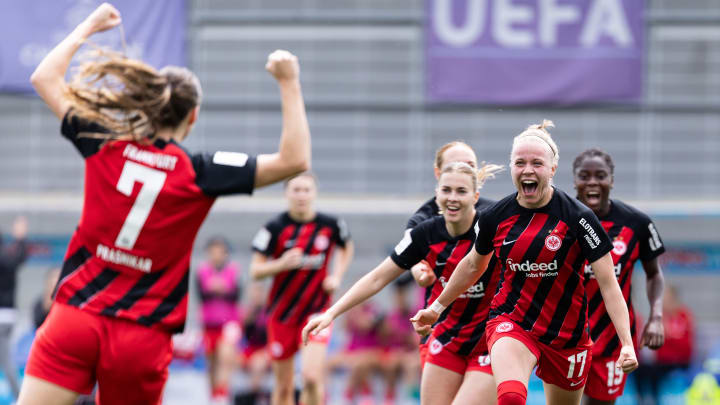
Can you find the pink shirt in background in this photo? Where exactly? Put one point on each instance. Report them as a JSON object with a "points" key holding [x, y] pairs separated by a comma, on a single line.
{"points": [[219, 307]]}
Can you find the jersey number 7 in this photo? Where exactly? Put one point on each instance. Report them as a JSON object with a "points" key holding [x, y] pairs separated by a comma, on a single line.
{"points": [[152, 182]]}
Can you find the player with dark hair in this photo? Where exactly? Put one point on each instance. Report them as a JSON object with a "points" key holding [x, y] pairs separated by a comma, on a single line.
{"points": [[123, 288], [634, 237], [453, 370], [542, 237], [295, 248]]}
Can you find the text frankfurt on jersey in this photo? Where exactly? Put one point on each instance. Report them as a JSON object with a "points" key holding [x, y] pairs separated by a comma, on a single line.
{"points": [[534, 269], [157, 160], [125, 259], [591, 237]]}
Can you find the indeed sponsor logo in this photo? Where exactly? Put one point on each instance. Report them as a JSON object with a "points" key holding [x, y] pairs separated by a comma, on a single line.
{"points": [[535, 269], [475, 291], [591, 237]]}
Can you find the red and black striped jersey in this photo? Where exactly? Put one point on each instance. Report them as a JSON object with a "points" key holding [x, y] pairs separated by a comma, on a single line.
{"points": [[129, 257], [298, 293], [543, 252], [634, 237], [461, 326]]}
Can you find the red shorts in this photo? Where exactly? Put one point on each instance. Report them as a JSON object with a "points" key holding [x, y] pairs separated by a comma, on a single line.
{"points": [[74, 348], [605, 382], [211, 338], [566, 368], [284, 340], [446, 359], [423, 351]]}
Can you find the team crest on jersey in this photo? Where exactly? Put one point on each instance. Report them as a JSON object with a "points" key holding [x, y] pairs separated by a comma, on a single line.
{"points": [[504, 327], [619, 247], [484, 360], [553, 242], [435, 347], [321, 242]]}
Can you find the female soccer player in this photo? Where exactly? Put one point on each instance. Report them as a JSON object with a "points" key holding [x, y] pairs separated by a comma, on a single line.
{"points": [[455, 151], [218, 282], [452, 362], [634, 237], [295, 249], [538, 317], [123, 287]]}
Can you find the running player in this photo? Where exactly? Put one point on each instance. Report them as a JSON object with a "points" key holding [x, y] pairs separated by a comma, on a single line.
{"points": [[218, 282], [452, 362], [538, 316], [422, 272], [634, 237], [124, 282], [295, 249]]}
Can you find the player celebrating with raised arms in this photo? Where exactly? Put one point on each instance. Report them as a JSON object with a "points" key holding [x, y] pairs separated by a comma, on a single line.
{"points": [[296, 248], [124, 283], [542, 237], [634, 237], [442, 241]]}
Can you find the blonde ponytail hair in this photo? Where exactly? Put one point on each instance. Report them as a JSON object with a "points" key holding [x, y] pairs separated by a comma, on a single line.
{"points": [[540, 131], [478, 176]]}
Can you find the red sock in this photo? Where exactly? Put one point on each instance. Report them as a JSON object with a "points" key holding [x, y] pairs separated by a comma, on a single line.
{"points": [[220, 391], [511, 392]]}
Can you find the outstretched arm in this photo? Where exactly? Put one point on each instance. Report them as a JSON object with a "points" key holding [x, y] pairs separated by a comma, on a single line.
{"points": [[293, 155], [48, 79], [369, 285], [617, 309]]}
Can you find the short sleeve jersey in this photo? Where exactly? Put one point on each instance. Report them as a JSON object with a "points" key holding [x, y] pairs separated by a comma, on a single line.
{"points": [[298, 293], [542, 252], [143, 204], [634, 236], [460, 327]]}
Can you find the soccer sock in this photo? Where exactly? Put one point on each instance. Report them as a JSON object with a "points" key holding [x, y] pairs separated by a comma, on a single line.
{"points": [[511, 392], [220, 391]]}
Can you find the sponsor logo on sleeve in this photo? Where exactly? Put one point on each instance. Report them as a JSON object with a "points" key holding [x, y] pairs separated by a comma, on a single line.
{"points": [[261, 240], [404, 243], [342, 227], [591, 237], [654, 239], [230, 158]]}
